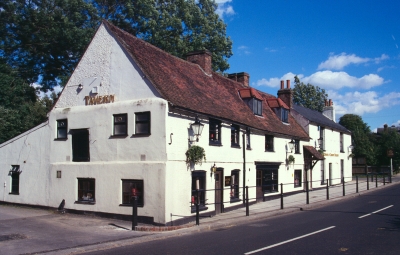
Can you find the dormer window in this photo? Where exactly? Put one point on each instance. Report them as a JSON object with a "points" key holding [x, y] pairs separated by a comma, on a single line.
{"points": [[280, 108], [253, 99]]}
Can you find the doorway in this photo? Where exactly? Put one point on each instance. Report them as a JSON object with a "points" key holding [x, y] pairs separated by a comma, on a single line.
{"points": [[219, 206]]}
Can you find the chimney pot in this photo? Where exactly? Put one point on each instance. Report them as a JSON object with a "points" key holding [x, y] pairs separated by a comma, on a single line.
{"points": [[288, 84], [243, 78], [282, 84], [330, 102]]}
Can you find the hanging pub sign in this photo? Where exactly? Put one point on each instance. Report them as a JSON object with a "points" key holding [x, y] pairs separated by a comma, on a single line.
{"points": [[390, 153]]}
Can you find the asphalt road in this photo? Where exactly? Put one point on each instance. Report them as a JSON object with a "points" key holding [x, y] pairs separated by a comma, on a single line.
{"points": [[367, 224]]}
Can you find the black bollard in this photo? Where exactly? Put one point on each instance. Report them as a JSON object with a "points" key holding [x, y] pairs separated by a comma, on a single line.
{"points": [[197, 208], [356, 183], [327, 189], [281, 195], [134, 212], [247, 200]]}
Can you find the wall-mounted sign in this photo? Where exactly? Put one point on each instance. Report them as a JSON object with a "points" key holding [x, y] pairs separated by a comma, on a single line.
{"points": [[331, 154], [227, 181], [90, 100]]}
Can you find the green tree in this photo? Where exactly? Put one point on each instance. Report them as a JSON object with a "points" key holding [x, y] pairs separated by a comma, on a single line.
{"points": [[44, 39], [388, 139], [361, 136], [20, 108], [308, 95]]}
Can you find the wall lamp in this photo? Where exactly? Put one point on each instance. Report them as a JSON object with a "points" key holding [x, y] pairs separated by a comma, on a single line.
{"points": [[291, 146], [197, 128], [214, 168]]}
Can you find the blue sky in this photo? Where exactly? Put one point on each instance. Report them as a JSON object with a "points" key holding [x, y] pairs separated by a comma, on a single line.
{"points": [[349, 48]]}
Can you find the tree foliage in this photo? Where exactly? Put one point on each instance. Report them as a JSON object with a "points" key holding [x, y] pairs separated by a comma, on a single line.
{"points": [[44, 39], [361, 135], [388, 139], [308, 95]]}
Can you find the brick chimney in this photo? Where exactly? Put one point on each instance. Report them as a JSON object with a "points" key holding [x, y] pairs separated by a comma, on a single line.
{"points": [[243, 78], [202, 58], [329, 111], [286, 94]]}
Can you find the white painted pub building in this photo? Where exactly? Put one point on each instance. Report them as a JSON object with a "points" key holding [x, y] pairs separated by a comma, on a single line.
{"points": [[124, 122]]}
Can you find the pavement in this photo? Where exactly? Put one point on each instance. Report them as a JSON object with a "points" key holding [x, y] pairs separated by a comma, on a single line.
{"points": [[26, 230]]}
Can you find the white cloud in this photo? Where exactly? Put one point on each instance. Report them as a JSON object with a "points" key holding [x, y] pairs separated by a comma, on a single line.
{"points": [[41, 94], [337, 80], [244, 49], [275, 82], [338, 62], [224, 8], [270, 50], [361, 103]]}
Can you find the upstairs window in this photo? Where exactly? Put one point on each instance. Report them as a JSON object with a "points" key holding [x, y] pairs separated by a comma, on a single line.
{"points": [[235, 136], [62, 128], [257, 106], [321, 138], [80, 145], [215, 132], [341, 143], [142, 123], [120, 124], [248, 145], [269, 143], [297, 146]]}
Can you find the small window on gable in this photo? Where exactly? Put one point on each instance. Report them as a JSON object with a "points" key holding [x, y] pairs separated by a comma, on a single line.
{"points": [[14, 173], [120, 124], [62, 127], [142, 123], [257, 106]]}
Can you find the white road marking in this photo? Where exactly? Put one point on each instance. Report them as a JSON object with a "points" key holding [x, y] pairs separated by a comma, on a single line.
{"points": [[375, 212], [290, 240]]}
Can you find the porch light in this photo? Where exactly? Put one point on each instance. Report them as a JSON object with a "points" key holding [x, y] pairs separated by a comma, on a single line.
{"points": [[214, 168], [197, 128], [350, 149], [291, 146]]}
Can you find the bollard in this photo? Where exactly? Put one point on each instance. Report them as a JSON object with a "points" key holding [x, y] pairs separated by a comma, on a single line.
{"points": [[390, 178], [308, 198], [327, 190], [134, 212], [384, 181], [344, 192], [281, 195], [197, 208], [376, 181], [367, 182], [247, 200], [356, 183]]}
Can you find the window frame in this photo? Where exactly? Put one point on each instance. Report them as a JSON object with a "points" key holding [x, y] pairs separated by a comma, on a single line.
{"points": [[214, 132], [117, 123], [297, 178], [297, 146], [201, 176], [85, 191], [137, 184], [62, 127], [269, 142], [14, 179], [234, 192], [235, 136], [321, 138], [257, 106], [284, 115], [142, 122], [248, 140]]}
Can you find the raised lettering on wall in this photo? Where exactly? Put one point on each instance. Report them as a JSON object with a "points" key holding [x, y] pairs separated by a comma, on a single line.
{"points": [[99, 99]]}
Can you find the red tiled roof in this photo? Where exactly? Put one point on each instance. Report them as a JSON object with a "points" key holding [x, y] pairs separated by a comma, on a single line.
{"points": [[276, 103], [249, 92], [315, 155], [186, 86]]}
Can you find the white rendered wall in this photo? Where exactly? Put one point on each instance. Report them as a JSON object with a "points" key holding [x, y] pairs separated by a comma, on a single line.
{"points": [[30, 151]]}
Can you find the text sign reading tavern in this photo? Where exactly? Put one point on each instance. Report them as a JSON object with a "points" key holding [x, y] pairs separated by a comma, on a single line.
{"points": [[99, 99]]}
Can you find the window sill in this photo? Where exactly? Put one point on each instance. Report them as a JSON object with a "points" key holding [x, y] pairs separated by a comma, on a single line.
{"points": [[248, 148], [129, 205], [201, 208], [118, 136], [237, 146], [341, 151], [85, 202], [235, 200], [60, 139], [140, 135], [215, 143], [269, 151], [297, 153], [11, 193]]}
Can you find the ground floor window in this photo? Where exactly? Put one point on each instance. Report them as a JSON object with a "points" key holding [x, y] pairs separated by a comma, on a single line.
{"points": [[198, 183], [131, 188], [86, 190], [234, 194], [267, 179], [297, 178]]}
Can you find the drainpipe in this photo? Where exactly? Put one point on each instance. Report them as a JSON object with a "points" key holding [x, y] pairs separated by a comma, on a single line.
{"points": [[244, 166]]}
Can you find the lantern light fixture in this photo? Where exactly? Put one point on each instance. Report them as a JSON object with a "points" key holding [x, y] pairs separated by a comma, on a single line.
{"points": [[197, 128]]}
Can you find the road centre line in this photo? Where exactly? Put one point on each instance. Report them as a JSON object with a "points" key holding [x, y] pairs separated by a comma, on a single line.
{"points": [[375, 212], [287, 241]]}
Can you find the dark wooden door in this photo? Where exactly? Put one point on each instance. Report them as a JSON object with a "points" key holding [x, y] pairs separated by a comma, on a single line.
{"points": [[259, 188], [218, 192]]}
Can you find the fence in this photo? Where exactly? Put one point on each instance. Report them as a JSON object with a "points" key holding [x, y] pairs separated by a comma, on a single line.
{"points": [[273, 195]]}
